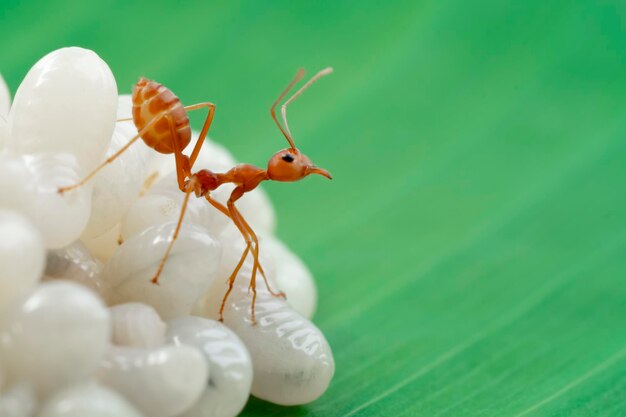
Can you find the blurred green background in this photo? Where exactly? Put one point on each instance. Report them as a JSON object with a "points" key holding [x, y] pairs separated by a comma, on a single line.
{"points": [[471, 251]]}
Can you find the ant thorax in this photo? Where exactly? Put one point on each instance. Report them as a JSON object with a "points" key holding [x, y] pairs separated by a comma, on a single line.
{"points": [[246, 176]]}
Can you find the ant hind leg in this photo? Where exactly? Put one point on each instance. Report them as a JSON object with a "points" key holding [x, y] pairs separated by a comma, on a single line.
{"points": [[110, 159]]}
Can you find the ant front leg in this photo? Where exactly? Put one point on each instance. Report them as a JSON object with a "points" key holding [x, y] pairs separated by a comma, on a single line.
{"points": [[252, 235], [236, 194], [233, 214], [250, 238], [256, 254]]}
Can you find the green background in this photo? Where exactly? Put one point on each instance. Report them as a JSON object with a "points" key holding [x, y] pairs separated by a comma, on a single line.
{"points": [[471, 251]]}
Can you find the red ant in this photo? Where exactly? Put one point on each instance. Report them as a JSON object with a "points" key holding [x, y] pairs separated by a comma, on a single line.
{"points": [[163, 124]]}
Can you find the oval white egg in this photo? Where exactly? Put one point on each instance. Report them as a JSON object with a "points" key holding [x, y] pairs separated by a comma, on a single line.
{"points": [[66, 103], [76, 263], [18, 400], [29, 184], [61, 323], [291, 276], [88, 399], [116, 186], [22, 256], [137, 325], [161, 382], [188, 272], [293, 363], [228, 387]]}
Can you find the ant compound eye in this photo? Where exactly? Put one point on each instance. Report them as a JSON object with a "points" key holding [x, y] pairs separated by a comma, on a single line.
{"points": [[288, 157]]}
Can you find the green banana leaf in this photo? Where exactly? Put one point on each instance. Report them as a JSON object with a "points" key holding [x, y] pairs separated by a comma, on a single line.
{"points": [[471, 250]]}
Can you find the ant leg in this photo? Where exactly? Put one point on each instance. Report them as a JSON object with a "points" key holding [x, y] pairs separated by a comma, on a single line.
{"points": [[233, 275], [283, 108], [190, 186], [256, 255], [203, 132], [250, 237], [231, 281], [236, 195], [251, 233], [217, 205], [110, 159]]}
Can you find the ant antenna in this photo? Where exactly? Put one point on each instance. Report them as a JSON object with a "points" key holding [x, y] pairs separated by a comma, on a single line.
{"points": [[282, 95], [316, 77]]}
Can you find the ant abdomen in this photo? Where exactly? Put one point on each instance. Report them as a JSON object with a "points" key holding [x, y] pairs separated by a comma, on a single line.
{"points": [[150, 100]]}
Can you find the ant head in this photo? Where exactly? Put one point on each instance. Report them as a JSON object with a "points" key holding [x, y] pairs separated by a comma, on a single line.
{"points": [[292, 165]]}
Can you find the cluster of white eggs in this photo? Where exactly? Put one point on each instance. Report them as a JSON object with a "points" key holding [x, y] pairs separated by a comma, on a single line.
{"points": [[82, 330]]}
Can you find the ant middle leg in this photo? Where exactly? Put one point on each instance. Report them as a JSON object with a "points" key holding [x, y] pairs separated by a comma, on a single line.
{"points": [[203, 132], [184, 164], [183, 170]]}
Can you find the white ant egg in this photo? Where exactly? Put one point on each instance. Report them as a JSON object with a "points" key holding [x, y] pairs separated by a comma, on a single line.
{"points": [[230, 378], [87, 399], [293, 363], [188, 273], [137, 325], [18, 400], [3, 132], [20, 241], [105, 245], [29, 185], [291, 276], [60, 323], [76, 263], [116, 186], [160, 382], [66, 103]]}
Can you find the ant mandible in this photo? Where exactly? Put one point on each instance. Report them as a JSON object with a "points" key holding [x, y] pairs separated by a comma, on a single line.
{"points": [[163, 124]]}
